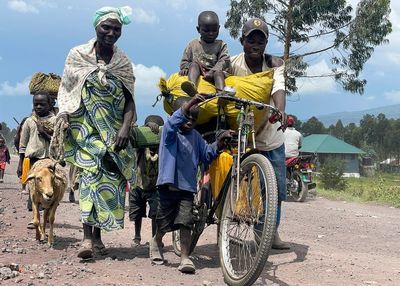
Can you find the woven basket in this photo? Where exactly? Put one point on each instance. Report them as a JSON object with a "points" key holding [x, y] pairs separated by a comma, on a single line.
{"points": [[42, 83]]}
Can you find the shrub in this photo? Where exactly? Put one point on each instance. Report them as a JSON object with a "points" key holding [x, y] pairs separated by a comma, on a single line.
{"points": [[332, 175]]}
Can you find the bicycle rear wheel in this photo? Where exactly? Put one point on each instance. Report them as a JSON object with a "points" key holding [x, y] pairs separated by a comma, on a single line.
{"points": [[248, 222]]}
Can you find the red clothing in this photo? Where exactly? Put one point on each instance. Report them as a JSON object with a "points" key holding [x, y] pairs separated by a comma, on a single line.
{"points": [[4, 155]]}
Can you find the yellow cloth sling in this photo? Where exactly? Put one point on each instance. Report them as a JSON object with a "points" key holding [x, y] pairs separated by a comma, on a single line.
{"points": [[26, 166]]}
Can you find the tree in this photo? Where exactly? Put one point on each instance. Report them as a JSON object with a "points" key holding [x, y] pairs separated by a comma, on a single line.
{"points": [[353, 135], [338, 130], [349, 37], [8, 134], [313, 126]]}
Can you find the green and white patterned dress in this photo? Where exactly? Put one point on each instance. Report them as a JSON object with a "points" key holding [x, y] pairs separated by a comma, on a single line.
{"points": [[90, 146]]}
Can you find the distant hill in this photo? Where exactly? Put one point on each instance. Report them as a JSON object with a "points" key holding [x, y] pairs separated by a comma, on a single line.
{"points": [[391, 111]]}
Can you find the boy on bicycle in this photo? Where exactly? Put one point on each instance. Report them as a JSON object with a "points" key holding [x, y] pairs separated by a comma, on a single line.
{"points": [[181, 150], [206, 56]]}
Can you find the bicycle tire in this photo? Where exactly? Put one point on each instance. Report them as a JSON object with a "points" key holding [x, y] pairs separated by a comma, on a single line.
{"points": [[232, 250], [176, 242]]}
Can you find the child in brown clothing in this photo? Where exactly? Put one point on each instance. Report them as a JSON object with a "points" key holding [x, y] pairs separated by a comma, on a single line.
{"points": [[206, 56]]}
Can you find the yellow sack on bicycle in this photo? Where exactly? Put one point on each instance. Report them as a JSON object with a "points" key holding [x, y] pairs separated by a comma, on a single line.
{"points": [[255, 87], [219, 168]]}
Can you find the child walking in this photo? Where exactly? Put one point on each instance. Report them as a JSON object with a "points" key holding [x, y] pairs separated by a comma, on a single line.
{"points": [[181, 150], [4, 158], [206, 56], [35, 137], [146, 179]]}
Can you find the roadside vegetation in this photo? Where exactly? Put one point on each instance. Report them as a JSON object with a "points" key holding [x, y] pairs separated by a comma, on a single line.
{"points": [[381, 188]]}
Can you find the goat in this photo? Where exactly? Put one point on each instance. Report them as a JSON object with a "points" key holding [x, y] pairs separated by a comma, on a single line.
{"points": [[47, 183]]}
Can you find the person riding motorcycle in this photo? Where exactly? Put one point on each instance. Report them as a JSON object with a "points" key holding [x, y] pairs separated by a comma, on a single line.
{"points": [[293, 139]]}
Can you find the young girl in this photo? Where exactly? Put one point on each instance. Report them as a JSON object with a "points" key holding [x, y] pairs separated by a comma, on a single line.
{"points": [[4, 158]]}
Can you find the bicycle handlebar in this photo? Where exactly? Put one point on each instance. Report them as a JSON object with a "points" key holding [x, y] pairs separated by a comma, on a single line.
{"points": [[275, 116]]}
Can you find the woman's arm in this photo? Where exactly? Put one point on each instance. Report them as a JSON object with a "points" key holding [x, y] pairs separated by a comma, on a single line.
{"points": [[122, 139]]}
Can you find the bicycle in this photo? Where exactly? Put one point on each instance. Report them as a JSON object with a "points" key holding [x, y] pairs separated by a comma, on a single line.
{"points": [[248, 197]]}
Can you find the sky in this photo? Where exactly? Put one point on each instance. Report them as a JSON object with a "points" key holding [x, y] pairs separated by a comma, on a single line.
{"points": [[36, 35]]}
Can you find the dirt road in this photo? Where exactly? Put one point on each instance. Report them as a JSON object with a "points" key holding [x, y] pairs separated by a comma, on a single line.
{"points": [[333, 243]]}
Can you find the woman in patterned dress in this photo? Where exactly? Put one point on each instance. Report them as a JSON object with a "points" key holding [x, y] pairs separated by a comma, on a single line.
{"points": [[96, 97]]}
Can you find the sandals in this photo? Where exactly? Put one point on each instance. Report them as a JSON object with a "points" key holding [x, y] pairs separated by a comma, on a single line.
{"points": [[99, 247], [30, 225], [86, 251], [156, 254], [135, 242], [187, 266]]}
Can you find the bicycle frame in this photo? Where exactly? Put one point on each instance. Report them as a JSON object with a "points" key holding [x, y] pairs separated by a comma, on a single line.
{"points": [[245, 128]]}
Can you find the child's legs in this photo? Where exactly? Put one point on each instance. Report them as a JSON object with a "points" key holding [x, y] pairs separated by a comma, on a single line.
{"points": [[166, 213], [138, 228], [219, 80], [1, 174], [185, 239], [194, 73], [152, 200], [137, 209], [184, 219]]}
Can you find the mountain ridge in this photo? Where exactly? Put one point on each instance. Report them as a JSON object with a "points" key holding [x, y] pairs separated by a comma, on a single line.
{"points": [[390, 111]]}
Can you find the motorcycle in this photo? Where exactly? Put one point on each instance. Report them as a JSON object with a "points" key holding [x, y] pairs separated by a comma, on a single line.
{"points": [[299, 176]]}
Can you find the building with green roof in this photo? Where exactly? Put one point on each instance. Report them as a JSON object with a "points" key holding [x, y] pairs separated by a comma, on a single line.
{"points": [[328, 147]]}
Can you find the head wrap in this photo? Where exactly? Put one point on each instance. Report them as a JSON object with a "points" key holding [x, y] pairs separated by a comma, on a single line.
{"points": [[120, 14]]}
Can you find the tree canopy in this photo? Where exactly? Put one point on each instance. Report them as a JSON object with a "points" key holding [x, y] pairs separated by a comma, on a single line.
{"points": [[310, 27], [376, 135]]}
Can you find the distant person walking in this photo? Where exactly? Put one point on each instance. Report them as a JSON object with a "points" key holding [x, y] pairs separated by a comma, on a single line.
{"points": [[4, 158]]}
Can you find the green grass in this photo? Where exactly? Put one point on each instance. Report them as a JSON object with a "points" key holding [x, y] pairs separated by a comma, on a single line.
{"points": [[382, 188]]}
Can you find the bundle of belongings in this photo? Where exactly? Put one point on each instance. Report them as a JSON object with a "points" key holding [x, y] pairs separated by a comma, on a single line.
{"points": [[256, 87], [42, 83]]}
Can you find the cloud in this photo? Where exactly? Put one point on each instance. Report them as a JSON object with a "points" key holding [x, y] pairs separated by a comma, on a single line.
{"points": [[146, 88], [393, 95], [20, 88], [1, 58], [141, 16], [22, 7], [177, 4], [319, 84]]}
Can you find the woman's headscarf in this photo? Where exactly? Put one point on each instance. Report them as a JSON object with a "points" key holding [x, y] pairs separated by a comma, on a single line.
{"points": [[120, 14]]}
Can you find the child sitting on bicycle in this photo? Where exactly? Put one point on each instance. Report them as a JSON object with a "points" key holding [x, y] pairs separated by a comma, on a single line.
{"points": [[182, 149], [206, 56]]}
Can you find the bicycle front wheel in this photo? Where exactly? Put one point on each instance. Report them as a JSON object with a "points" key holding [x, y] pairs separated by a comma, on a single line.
{"points": [[248, 221]]}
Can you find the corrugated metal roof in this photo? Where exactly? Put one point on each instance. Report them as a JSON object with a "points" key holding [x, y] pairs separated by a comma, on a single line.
{"points": [[324, 143]]}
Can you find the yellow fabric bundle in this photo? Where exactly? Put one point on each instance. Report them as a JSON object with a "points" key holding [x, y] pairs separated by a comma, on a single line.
{"points": [[42, 83], [255, 87], [219, 168], [26, 166]]}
